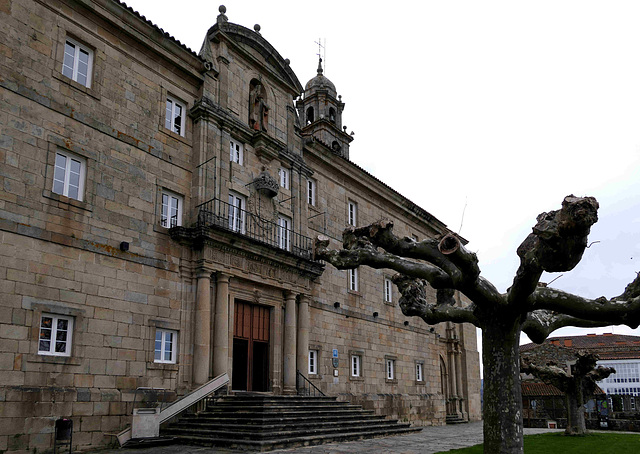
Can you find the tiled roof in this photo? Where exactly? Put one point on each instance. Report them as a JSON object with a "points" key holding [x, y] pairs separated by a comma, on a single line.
{"points": [[166, 35], [539, 389], [530, 389], [608, 346]]}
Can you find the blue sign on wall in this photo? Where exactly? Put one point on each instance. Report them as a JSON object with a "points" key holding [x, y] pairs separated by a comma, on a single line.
{"points": [[335, 352]]}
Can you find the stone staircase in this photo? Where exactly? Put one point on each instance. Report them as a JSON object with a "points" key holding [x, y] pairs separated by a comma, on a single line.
{"points": [[265, 422], [455, 419]]}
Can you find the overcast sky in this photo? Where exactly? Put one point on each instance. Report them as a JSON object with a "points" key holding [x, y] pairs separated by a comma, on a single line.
{"points": [[483, 113]]}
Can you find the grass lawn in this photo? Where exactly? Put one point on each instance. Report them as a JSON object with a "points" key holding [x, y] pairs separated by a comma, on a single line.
{"points": [[557, 442]]}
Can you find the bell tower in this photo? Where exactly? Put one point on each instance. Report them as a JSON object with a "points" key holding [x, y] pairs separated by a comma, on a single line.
{"points": [[320, 111]]}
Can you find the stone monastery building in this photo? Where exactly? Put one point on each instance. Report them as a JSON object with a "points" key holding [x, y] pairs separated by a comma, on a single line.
{"points": [[156, 221]]}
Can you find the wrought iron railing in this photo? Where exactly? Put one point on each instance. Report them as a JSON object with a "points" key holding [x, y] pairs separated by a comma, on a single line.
{"points": [[305, 387], [223, 215]]}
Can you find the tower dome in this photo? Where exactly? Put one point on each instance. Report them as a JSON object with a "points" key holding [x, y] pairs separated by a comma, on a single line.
{"points": [[320, 82]]}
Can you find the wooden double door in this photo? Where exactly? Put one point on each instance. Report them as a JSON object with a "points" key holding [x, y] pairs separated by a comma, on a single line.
{"points": [[250, 347]]}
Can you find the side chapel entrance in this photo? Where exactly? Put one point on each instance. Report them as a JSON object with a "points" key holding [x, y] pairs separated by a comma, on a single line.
{"points": [[250, 347]]}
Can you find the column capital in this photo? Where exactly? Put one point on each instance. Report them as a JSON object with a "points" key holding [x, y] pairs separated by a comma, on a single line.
{"points": [[304, 298], [203, 272], [289, 295], [222, 277]]}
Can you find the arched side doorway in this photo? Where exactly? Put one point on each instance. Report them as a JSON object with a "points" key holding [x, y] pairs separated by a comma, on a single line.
{"points": [[250, 347]]}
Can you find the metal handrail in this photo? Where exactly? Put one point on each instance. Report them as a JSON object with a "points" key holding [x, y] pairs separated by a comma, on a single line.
{"points": [[305, 387], [220, 214]]}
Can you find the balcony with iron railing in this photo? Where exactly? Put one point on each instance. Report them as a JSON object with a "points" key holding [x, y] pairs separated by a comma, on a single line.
{"points": [[218, 214]]}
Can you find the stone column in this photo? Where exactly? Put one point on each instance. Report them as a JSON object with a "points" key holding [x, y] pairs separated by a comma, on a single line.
{"points": [[289, 366], [221, 328], [202, 335], [303, 335], [459, 382]]}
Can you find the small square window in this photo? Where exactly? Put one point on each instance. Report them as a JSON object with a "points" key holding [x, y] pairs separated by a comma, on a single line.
{"points": [[311, 192], [284, 233], [55, 335], [419, 375], [236, 152], [78, 62], [236, 212], [391, 369], [174, 117], [388, 290], [69, 175], [284, 177], [313, 362], [165, 346], [356, 364], [171, 209], [353, 279], [352, 213]]}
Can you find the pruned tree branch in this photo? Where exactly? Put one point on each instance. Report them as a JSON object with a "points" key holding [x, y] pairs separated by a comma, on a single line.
{"points": [[556, 244], [621, 310], [539, 324], [414, 302], [370, 256]]}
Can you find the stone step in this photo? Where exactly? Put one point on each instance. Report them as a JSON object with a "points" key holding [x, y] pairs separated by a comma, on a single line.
{"points": [[303, 419], [291, 442], [261, 423], [282, 426]]}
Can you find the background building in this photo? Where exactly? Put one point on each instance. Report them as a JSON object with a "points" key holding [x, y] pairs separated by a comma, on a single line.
{"points": [[156, 226]]}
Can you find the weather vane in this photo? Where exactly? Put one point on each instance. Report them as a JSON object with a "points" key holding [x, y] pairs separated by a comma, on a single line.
{"points": [[322, 51]]}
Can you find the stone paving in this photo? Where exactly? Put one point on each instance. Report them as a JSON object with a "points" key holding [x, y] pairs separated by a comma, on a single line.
{"points": [[429, 441]]}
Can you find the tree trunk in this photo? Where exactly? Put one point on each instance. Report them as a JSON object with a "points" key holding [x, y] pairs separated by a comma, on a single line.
{"points": [[576, 424], [502, 411]]}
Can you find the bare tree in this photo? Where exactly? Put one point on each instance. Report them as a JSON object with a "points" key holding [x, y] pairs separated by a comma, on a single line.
{"points": [[572, 371], [556, 244]]}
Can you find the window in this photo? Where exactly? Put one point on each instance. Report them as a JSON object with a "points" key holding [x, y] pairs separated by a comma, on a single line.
{"points": [[388, 290], [391, 366], [353, 279], [313, 362], [236, 152], [284, 233], [311, 192], [352, 213], [284, 177], [77, 62], [236, 212], [55, 335], [356, 363], [171, 209], [68, 175], [419, 376], [165, 346], [174, 118]]}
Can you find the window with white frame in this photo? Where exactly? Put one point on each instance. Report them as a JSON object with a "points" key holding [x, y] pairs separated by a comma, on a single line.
{"points": [[311, 192], [356, 365], [284, 233], [419, 375], [352, 213], [69, 175], [171, 215], [388, 290], [55, 335], [174, 117], [236, 152], [236, 212], [313, 362], [165, 346], [77, 63], [353, 279], [391, 368], [284, 177]]}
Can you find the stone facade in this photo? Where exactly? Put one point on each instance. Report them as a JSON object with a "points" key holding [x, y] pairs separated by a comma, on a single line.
{"points": [[140, 227]]}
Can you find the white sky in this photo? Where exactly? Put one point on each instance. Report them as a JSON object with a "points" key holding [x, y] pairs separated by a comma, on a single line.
{"points": [[504, 107]]}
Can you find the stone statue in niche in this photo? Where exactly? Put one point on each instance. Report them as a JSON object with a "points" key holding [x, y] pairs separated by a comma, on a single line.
{"points": [[258, 108]]}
